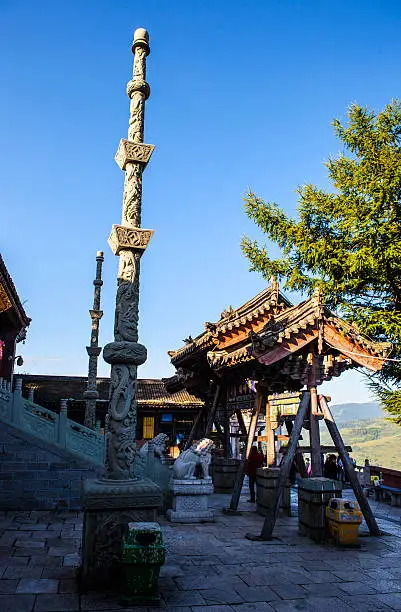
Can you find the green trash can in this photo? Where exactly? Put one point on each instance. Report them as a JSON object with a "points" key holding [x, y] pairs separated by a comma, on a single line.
{"points": [[143, 555]]}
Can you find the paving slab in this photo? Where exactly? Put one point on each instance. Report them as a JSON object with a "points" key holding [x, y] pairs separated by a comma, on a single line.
{"points": [[323, 589], [256, 594], [392, 600], [37, 585], [96, 602], [57, 603], [253, 607], [289, 591], [16, 603], [185, 598], [218, 608], [68, 586], [192, 582], [23, 571], [356, 588], [366, 603], [221, 596], [386, 585], [329, 604], [290, 605], [8, 586], [209, 567]]}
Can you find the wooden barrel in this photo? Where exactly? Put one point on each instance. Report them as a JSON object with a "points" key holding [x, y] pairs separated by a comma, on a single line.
{"points": [[266, 485], [313, 496], [223, 473]]}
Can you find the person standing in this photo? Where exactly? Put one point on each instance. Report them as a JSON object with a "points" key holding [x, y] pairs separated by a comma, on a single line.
{"points": [[330, 467], [255, 461]]}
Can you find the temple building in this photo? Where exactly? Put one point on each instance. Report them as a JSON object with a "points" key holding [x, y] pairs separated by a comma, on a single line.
{"points": [[159, 411], [13, 323], [271, 344]]}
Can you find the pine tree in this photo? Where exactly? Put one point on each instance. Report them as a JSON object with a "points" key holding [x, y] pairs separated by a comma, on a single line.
{"points": [[348, 241]]}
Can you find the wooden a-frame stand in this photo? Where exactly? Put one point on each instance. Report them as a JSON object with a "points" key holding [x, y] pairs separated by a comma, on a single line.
{"points": [[309, 410]]}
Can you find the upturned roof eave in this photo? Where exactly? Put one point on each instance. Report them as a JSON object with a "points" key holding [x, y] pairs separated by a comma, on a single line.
{"points": [[9, 286], [297, 320], [208, 339]]}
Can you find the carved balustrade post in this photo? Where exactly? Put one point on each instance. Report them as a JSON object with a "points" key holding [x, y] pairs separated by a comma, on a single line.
{"points": [[18, 386], [16, 400], [62, 423], [91, 394]]}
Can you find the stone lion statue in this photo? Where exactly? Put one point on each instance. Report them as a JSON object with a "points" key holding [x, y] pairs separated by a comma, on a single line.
{"points": [[198, 455], [159, 446]]}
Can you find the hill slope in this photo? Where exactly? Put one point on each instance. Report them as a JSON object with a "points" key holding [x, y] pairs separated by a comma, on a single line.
{"points": [[375, 439], [344, 413]]}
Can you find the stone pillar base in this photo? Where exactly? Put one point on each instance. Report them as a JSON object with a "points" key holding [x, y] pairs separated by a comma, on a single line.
{"points": [[313, 497], [190, 501], [109, 505]]}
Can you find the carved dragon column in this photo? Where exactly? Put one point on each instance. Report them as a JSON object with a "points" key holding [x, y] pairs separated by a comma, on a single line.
{"points": [[91, 394], [128, 241], [118, 498]]}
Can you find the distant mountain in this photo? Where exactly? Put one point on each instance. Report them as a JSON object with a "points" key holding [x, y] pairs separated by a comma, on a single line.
{"points": [[364, 427], [344, 413], [375, 439]]}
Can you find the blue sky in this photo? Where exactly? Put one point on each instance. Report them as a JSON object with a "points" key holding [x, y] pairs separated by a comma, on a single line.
{"points": [[243, 93]]}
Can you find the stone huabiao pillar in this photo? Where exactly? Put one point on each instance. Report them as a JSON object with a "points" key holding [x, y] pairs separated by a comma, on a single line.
{"points": [[91, 394], [118, 498]]}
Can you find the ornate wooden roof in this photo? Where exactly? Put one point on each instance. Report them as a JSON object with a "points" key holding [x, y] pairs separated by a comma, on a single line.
{"points": [[9, 300], [289, 334], [150, 391], [269, 332], [233, 326]]}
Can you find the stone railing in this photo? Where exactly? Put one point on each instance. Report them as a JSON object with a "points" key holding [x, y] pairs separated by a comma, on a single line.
{"points": [[47, 425]]}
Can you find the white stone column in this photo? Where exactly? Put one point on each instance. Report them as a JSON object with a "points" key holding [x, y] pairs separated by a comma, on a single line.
{"points": [[119, 497], [128, 241]]}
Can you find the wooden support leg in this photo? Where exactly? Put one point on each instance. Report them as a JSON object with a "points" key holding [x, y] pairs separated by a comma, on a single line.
{"points": [[227, 439], [352, 475], [195, 426], [241, 423], [299, 458], [212, 412], [241, 469], [271, 517], [314, 435], [271, 449]]}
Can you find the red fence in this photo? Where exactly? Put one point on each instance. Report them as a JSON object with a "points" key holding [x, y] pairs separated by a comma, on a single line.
{"points": [[390, 478]]}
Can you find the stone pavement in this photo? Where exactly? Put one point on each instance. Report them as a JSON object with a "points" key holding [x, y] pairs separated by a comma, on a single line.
{"points": [[209, 567]]}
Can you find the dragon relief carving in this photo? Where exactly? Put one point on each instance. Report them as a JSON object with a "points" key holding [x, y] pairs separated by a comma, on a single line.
{"points": [[121, 429], [132, 194], [136, 121], [127, 299]]}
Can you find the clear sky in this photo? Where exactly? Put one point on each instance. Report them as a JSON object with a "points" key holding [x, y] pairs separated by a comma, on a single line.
{"points": [[243, 93]]}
